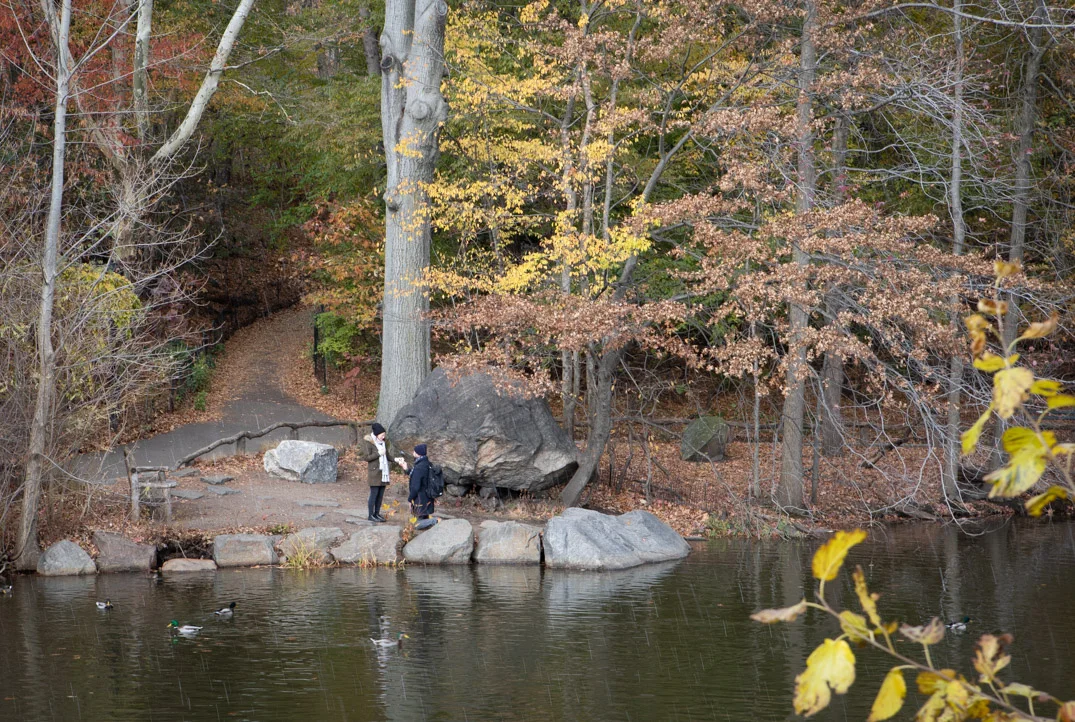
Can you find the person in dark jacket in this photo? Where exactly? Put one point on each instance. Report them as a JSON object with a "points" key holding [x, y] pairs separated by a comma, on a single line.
{"points": [[418, 496], [379, 453]]}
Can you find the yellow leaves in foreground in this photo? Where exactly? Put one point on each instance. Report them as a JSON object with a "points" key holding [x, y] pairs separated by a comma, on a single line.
{"points": [[890, 697], [926, 634], [787, 614], [1029, 453], [1036, 505], [832, 665], [990, 658], [1011, 387], [970, 437], [830, 557], [867, 600]]}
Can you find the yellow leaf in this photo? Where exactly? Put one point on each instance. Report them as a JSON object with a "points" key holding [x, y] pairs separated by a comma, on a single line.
{"points": [[976, 322], [1036, 505], [1022, 472], [1010, 387], [1040, 329], [890, 697], [830, 665], [970, 436], [989, 362], [1067, 712], [930, 682], [830, 557], [1045, 387], [787, 614], [854, 626], [993, 308], [1020, 689], [867, 600], [989, 657], [1018, 438], [1003, 269], [927, 634], [1060, 401]]}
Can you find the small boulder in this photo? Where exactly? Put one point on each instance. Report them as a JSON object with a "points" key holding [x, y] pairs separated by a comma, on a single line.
{"points": [[316, 539], [222, 490], [508, 542], [449, 542], [305, 461], [481, 433], [117, 553], [372, 545], [218, 479], [184, 473], [188, 494], [456, 489], [704, 439], [188, 565], [243, 550], [65, 558], [586, 539]]}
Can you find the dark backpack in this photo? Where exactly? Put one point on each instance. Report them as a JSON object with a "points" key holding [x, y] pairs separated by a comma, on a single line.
{"points": [[435, 482]]}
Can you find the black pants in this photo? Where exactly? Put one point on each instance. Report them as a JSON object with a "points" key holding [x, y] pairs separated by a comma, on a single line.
{"points": [[376, 497]]}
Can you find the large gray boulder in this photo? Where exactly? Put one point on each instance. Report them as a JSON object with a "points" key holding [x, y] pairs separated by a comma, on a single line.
{"points": [[370, 545], [507, 542], [451, 541], [704, 439], [117, 553], [585, 539], [305, 461], [243, 550], [317, 540], [485, 436], [65, 558]]}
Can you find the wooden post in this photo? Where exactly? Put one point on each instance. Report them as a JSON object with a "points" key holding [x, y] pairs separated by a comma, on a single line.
{"points": [[240, 446], [293, 433], [136, 494]]}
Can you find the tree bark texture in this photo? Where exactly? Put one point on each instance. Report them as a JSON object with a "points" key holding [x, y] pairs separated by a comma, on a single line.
{"points": [[370, 45], [141, 68], [789, 491], [832, 368], [605, 367], [27, 549], [412, 111]]}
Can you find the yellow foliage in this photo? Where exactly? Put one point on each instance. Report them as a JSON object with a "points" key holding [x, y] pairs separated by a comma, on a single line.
{"points": [[890, 697], [1010, 390], [830, 665], [854, 626], [1036, 505], [787, 614], [867, 600], [830, 557], [970, 437], [1029, 453], [926, 634]]}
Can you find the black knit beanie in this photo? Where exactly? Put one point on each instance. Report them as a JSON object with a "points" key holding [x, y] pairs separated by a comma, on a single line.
{"points": [[377, 429], [420, 449]]}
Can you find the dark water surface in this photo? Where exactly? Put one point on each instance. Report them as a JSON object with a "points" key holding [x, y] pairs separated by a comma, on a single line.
{"points": [[668, 642]]}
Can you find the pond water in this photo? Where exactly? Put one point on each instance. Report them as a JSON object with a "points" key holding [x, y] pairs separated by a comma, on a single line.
{"points": [[669, 642]]}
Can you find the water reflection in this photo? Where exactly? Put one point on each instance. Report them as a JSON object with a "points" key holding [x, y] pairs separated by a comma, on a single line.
{"points": [[517, 643]]}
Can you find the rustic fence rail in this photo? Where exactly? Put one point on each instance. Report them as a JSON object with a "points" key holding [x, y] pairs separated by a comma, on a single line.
{"points": [[242, 437]]}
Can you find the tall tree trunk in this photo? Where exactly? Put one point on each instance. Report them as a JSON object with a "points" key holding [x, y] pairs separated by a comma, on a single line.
{"points": [[832, 368], [790, 490], [605, 372], [369, 44], [950, 471], [27, 548], [1024, 129], [412, 110], [141, 68], [569, 382]]}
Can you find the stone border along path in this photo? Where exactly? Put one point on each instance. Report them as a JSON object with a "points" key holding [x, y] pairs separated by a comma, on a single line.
{"points": [[577, 539]]}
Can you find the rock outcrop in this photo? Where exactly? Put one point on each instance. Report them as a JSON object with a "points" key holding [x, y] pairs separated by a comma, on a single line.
{"points": [[704, 439], [483, 435], [451, 541], [305, 461], [507, 542], [315, 541], [370, 545], [585, 539], [243, 550], [65, 558], [117, 553], [188, 565]]}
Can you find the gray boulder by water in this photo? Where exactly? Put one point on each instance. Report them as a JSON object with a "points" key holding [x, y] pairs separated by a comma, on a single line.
{"points": [[485, 437], [65, 558], [585, 539], [117, 553], [704, 439], [243, 550], [188, 565], [449, 542], [371, 545], [315, 540], [507, 542], [305, 461]]}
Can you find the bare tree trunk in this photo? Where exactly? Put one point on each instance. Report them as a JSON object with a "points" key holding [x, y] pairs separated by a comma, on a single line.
{"points": [[755, 455], [27, 549], [569, 386], [832, 368], [328, 60], [412, 110], [950, 471], [1024, 130], [141, 65], [790, 490], [600, 429], [369, 44]]}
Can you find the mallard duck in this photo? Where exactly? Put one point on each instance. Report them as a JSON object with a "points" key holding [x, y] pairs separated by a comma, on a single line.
{"points": [[107, 604], [397, 642], [959, 626], [6, 590], [186, 630], [226, 611]]}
